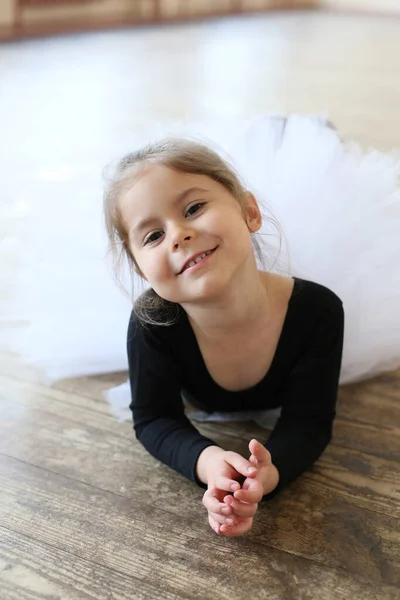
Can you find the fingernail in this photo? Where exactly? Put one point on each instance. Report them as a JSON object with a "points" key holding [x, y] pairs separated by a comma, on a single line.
{"points": [[251, 470], [229, 521], [235, 486], [226, 511]]}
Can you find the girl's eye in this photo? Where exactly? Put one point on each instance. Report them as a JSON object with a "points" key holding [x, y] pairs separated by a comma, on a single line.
{"points": [[196, 206], [192, 210], [151, 237]]}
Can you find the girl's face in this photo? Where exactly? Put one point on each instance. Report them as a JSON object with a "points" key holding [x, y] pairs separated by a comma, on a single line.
{"points": [[172, 217]]}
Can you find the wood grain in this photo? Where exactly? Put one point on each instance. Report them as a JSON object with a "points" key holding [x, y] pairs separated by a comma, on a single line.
{"points": [[32, 569], [178, 554], [93, 453], [342, 467]]}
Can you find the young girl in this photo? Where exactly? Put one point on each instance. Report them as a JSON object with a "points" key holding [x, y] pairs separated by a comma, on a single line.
{"points": [[217, 330]]}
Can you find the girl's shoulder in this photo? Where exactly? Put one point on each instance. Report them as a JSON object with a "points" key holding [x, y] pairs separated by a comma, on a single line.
{"points": [[303, 294], [315, 294]]}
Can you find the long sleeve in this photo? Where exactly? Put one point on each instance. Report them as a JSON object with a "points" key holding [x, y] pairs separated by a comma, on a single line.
{"points": [[157, 408], [309, 400]]}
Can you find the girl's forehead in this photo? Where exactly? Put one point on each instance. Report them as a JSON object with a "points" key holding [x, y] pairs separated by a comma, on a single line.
{"points": [[157, 183], [158, 186], [161, 175]]}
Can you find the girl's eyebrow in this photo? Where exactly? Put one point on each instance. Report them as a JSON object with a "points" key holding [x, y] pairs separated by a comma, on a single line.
{"points": [[178, 198]]}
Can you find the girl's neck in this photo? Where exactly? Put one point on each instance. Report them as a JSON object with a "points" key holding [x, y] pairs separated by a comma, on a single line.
{"points": [[245, 307]]}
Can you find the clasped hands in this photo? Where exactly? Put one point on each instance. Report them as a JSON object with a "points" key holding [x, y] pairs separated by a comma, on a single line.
{"points": [[236, 486]]}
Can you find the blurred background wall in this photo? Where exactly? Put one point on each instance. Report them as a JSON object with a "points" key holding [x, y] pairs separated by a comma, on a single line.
{"points": [[20, 18], [377, 6]]}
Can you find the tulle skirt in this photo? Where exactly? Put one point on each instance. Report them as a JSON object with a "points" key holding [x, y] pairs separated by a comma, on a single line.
{"points": [[338, 208]]}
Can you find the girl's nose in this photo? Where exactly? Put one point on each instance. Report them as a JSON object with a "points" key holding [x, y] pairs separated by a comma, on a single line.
{"points": [[181, 237]]}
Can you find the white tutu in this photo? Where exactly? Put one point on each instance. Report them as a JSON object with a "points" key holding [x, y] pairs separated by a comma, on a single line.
{"points": [[339, 209]]}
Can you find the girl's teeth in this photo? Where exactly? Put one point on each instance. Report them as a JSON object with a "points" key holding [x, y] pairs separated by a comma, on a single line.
{"points": [[197, 260]]}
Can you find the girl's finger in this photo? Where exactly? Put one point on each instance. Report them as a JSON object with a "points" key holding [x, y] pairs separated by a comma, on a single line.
{"points": [[251, 496], [223, 520], [212, 503], [242, 527], [216, 493], [253, 461], [242, 465], [214, 525], [260, 452], [241, 509], [252, 491], [227, 484]]}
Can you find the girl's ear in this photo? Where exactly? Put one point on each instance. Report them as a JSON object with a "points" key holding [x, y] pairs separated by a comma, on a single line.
{"points": [[253, 215]]}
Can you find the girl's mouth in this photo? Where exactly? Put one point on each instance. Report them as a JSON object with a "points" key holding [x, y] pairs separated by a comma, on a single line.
{"points": [[199, 261]]}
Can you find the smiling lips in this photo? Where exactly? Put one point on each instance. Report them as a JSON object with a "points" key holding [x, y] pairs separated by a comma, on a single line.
{"points": [[197, 258]]}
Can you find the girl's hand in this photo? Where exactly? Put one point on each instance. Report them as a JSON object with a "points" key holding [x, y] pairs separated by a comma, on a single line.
{"points": [[244, 502], [223, 475], [221, 515], [265, 480]]}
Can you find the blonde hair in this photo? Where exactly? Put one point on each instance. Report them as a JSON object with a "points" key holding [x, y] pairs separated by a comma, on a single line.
{"points": [[182, 155]]}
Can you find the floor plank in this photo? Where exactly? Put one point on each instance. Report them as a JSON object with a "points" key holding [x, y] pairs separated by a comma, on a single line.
{"points": [[370, 403], [365, 474], [83, 452], [31, 569], [177, 555]]}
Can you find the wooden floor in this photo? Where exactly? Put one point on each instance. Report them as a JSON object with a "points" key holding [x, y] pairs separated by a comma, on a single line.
{"points": [[85, 512]]}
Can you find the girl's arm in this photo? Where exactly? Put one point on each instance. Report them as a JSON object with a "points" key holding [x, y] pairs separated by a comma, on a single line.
{"points": [[160, 423], [308, 400]]}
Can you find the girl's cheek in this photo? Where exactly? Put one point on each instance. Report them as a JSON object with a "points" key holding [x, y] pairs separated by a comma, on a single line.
{"points": [[156, 266]]}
